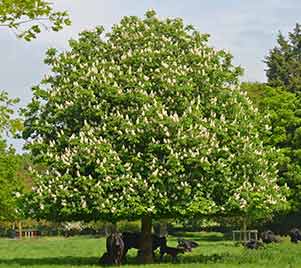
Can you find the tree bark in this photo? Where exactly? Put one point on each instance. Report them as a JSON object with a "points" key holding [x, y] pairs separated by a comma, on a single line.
{"points": [[114, 228], [146, 254], [160, 228], [244, 228], [163, 229], [20, 230], [110, 228]]}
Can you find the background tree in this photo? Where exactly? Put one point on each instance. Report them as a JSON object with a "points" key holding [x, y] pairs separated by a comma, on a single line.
{"points": [[8, 124], [11, 185], [9, 162], [284, 110], [284, 70], [27, 17], [146, 122], [284, 62]]}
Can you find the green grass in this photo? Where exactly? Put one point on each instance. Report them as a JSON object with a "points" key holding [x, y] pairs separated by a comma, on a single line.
{"points": [[79, 252]]}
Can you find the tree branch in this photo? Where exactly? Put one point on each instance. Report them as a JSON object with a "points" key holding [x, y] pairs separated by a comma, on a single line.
{"points": [[23, 22]]}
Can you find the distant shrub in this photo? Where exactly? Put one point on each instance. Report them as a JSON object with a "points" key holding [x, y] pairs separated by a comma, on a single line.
{"points": [[129, 226]]}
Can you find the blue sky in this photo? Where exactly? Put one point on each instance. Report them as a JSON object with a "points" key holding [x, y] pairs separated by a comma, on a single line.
{"points": [[246, 28]]}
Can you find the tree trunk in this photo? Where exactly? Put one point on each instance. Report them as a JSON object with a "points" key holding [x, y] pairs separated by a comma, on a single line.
{"points": [[146, 254], [20, 230], [114, 228], [110, 228], [163, 229], [244, 229]]}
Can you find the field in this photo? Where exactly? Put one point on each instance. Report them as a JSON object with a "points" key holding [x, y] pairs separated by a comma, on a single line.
{"points": [[80, 252]]}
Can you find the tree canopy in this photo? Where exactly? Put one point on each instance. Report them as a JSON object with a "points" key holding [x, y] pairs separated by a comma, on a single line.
{"points": [[11, 185], [8, 124], [284, 62], [284, 110], [27, 17], [131, 116], [9, 162], [147, 121], [284, 73]]}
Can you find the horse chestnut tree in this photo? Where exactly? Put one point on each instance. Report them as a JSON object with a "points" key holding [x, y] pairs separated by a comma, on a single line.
{"points": [[146, 122]]}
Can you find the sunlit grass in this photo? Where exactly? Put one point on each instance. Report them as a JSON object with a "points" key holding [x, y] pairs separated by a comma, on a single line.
{"points": [[79, 252]]}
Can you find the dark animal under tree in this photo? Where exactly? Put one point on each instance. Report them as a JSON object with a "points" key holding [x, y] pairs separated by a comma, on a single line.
{"points": [[269, 237], [133, 240], [295, 235], [115, 248], [105, 259], [188, 245], [253, 244], [173, 252]]}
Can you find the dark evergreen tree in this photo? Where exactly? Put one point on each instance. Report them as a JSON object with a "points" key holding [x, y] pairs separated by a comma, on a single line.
{"points": [[284, 62]]}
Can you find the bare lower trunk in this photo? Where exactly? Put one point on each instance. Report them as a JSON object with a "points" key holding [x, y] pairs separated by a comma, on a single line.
{"points": [[244, 229], [113, 228], [110, 228], [20, 229], [163, 229], [146, 240]]}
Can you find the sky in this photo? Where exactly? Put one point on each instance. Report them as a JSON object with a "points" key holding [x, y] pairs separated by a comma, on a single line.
{"points": [[246, 28]]}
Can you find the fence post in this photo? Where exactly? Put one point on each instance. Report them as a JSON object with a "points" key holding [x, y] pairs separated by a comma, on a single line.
{"points": [[20, 230]]}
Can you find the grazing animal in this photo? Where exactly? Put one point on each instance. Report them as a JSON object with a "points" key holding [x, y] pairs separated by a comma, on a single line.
{"points": [[295, 235], [269, 237], [115, 248], [158, 241], [133, 240], [188, 245], [173, 252], [105, 259], [253, 244]]}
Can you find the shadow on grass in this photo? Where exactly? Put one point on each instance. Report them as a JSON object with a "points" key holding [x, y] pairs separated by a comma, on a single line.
{"points": [[131, 260], [211, 237], [64, 260], [202, 259]]}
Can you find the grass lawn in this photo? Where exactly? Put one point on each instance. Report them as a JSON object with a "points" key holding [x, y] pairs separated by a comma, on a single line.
{"points": [[214, 251]]}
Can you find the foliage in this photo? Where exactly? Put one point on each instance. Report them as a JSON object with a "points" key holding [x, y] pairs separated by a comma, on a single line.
{"points": [[148, 120], [284, 62], [7, 123], [9, 181], [9, 162], [23, 172], [129, 226], [284, 110], [27, 17]]}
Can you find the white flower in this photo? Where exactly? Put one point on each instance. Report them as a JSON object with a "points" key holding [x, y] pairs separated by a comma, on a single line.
{"points": [[83, 204]]}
